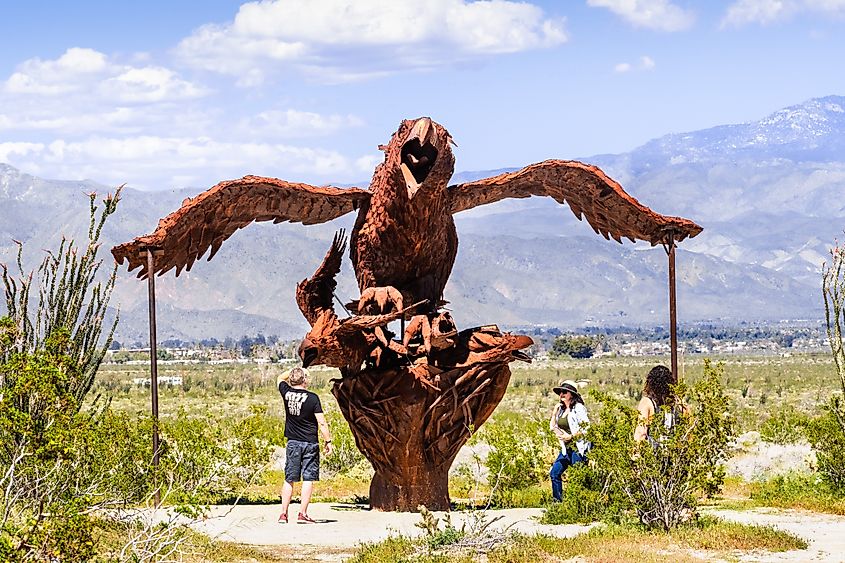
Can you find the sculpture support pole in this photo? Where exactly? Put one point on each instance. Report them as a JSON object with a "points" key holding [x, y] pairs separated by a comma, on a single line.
{"points": [[673, 311], [151, 285]]}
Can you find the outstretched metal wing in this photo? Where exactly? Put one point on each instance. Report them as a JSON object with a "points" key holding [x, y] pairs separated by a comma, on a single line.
{"points": [[314, 294], [609, 210], [205, 221]]}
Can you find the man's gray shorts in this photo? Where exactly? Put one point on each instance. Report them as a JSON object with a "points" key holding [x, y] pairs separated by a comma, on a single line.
{"points": [[302, 461]]}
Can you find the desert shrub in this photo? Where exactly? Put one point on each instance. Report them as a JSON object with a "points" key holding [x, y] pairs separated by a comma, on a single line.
{"points": [[586, 498], [394, 548], [346, 455], [60, 462], [786, 426], [203, 461], [575, 346], [662, 480], [787, 488], [435, 537], [827, 436], [797, 490], [69, 301], [40, 474], [51, 345], [827, 433], [520, 455]]}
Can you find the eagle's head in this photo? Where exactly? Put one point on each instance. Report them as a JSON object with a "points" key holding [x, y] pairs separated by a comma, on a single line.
{"points": [[420, 155]]}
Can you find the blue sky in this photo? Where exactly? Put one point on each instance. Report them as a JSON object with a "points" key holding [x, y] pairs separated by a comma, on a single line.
{"points": [[170, 94]]}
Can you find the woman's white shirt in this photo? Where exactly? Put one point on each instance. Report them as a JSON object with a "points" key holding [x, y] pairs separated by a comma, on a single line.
{"points": [[578, 423]]}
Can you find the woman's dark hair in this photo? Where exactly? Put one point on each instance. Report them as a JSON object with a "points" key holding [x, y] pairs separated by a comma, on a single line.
{"points": [[657, 385]]}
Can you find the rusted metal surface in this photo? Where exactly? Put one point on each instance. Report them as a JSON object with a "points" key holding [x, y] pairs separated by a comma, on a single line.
{"points": [[205, 221], [411, 399], [588, 191], [673, 308], [404, 235], [151, 293], [410, 420]]}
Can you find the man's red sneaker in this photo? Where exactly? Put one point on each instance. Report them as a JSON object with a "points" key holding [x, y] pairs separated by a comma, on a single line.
{"points": [[283, 518], [305, 519]]}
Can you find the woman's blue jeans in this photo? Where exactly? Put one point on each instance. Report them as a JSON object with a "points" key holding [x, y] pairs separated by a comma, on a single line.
{"points": [[558, 467]]}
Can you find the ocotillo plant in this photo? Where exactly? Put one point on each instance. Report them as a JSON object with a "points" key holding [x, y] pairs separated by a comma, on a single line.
{"points": [[833, 290], [68, 299]]}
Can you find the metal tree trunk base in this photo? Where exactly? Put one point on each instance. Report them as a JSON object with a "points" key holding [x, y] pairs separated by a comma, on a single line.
{"points": [[411, 421]]}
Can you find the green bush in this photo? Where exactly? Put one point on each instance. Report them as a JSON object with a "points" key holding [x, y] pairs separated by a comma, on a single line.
{"points": [[786, 426], [575, 346], [586, 498], [39, 466], [521, 450], [59, 462], [827, 436], [827, 433], [345, 455], [786, 488], [661, 481], [798, 491]]}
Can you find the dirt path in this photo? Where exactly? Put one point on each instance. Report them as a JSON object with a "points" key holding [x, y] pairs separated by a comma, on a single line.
{"points": [[825, 533], [344, 527]]}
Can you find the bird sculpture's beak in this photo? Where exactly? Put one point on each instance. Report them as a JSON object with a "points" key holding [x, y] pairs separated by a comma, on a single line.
{"points": [[308, 352], [419, 152], [424, 131]]}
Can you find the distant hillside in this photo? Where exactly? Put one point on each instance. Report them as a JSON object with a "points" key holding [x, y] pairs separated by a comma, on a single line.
{"points": [[768, 194]]}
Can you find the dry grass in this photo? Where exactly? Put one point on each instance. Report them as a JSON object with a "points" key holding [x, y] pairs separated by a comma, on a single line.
{"points": [[714, 539], [758, 385], [332, 489], [238, 553]]}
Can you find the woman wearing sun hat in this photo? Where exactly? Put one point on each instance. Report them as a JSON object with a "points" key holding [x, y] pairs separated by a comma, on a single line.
{"points": [[569, 422]]}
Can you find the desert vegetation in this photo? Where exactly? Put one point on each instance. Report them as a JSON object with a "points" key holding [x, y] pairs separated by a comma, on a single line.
{"points": [[78, 480]]}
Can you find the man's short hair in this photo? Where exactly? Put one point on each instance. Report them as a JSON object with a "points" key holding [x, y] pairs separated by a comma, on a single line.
{"points": [[298, 376]]}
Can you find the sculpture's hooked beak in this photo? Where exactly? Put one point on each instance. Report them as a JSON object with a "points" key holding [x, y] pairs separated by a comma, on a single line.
{"points": [[308, 352], [419, 153]]}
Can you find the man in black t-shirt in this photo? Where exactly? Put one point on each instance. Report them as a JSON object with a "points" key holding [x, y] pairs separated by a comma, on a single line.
{"points": [[303, 415]]}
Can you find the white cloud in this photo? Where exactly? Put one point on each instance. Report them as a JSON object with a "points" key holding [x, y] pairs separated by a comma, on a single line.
{"points": [[366, 37], [62, 75], [58, 121], [90, 73], [149, 84], [659, 15], [11, 150], [87, 115], [762, 12], [152, 162], [85, 91], [826, 5], [766, 12], [645, 63], [293, 123], [366, 164]]}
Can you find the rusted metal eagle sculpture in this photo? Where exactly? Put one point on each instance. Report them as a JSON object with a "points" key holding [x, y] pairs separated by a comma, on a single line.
{"points": [[412, 401]]}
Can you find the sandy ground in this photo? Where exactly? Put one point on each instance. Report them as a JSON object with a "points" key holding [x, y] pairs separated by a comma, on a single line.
{"points": [[825, 533], [343, 527]]}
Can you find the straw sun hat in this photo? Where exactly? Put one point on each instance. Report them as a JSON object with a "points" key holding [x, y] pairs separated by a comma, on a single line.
{"points": [[571, 386]]}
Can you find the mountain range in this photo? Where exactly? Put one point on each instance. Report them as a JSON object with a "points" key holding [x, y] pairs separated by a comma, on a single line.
{"points": [[768, 194]]}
